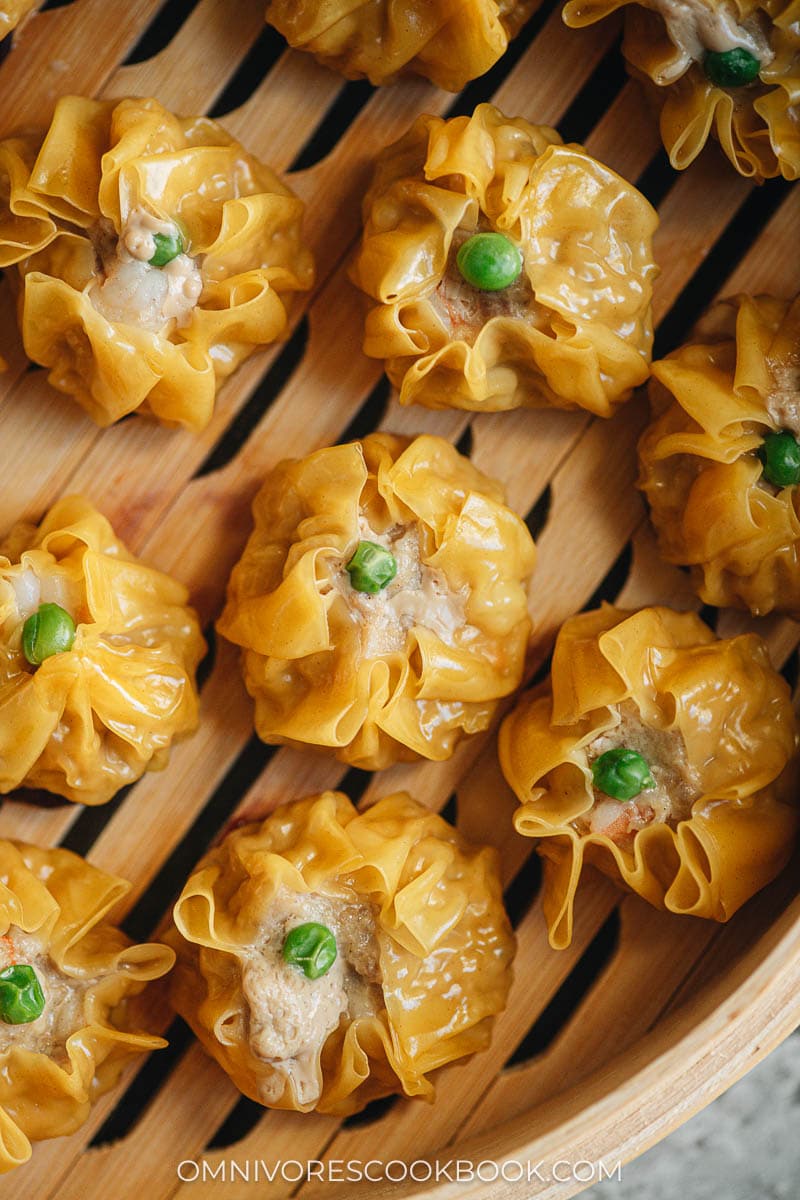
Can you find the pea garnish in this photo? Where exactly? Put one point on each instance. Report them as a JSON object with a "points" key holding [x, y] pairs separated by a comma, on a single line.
{"points": [[312, 948], [731, 68], [780, 454], [168, 246], [21, 995], [371, 568], [622, 773], [489, 261], [50, 630]]}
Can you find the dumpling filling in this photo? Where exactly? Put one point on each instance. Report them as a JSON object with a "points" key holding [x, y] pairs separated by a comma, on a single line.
{"points": [[131, 290], [697, 26], [23, 591], [64, 996], [783, 401], [419, 595], [464, 310], [26, 590], [290, 1016], [779, 451], [670, 791]]}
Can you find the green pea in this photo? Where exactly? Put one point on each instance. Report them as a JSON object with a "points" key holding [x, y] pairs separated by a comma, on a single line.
{"points": [[21, 995], [489, 261], [371, 568], [168, 246], [780, 454], [731, 68], [622, 773], [312, 948], [50, 630]]}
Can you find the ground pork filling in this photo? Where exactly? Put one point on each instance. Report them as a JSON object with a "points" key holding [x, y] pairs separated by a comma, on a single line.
{"points": [[677, 785], [783, 408], [129, 290], [783, 401], [419, 595], [464, 310], [290, 1017], [64, 997], [697, 26]]}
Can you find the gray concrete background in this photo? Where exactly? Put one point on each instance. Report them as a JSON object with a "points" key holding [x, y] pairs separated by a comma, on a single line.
{"points": [[744, 1146]]}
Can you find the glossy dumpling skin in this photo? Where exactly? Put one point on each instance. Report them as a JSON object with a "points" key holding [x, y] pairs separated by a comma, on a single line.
{"points": [[713, 401], [575, 330], [88, 721], [720, 726], [450, 43], [441, 940], [118, 334], [54, 1068], [12, 12], [395, 676], [665, 44]]}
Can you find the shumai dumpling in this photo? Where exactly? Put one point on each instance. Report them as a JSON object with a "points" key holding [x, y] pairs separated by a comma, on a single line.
{"points": [[653, 752], [67, 982], [727, 66], [12, 12], [507, 269], [327, 957], [153, 255], [720, 463], [97, 658], [380, 601], [450, 43]]}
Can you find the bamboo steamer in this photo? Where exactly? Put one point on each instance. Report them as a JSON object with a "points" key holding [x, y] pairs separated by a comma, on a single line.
{"points": [[607, 1046]]}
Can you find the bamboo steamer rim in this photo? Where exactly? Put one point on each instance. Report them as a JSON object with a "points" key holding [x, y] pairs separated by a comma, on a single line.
{"points": [[690, 1059]]}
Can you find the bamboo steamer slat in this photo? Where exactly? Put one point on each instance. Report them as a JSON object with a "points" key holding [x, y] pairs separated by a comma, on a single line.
{"points": [[663, 1014]]}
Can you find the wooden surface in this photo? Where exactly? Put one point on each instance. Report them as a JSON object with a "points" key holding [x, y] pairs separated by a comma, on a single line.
{"points": [[606, 1046]]}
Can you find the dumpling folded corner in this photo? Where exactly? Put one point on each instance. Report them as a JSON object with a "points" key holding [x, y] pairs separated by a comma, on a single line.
{"points": [[98, 654], [380, 40], [396, 665], [721, 67], [327, 957], [68, 987], [566, 321], [720, 461], [153, 255], [12, 13], [655, 753]]}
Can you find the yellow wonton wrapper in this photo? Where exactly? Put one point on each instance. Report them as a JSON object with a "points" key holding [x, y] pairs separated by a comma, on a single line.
{"points": [[64, 901], [86, 722], [100, 160], [448, 41], [446, 946], [735, 715], [698, 462], [758, 126], [12, 12], [585, 236], [303, 659]]}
